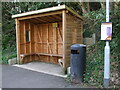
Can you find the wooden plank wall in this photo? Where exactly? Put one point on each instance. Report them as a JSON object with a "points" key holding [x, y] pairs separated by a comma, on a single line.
{"points": [[73, 35], [27, 47], [44, 38], [48, 41]]}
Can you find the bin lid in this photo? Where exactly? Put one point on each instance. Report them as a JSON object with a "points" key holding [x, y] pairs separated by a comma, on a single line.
{"points": [[78, 45]]}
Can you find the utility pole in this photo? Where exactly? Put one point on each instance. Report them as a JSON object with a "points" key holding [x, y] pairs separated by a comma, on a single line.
{"points": [[107, 53], [58, 1]]}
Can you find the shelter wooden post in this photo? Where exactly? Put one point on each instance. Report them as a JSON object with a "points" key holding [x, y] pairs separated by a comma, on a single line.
{"points": [[18, 40], [64, 33]]}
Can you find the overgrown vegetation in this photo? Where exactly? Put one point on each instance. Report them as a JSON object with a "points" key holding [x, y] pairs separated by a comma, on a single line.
{"points": [[95, 53], [8, 24]]}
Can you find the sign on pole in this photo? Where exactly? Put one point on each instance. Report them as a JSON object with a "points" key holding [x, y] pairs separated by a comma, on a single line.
{"points": [[106, 31]]}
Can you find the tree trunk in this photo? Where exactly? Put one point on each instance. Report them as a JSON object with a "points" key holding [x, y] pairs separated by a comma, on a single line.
{"points": [[102, 5], [88, 6], [83, 7]]}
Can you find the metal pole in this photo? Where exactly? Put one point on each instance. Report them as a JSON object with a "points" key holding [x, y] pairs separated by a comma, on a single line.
{"points": [[107, 53], [58, 1]]}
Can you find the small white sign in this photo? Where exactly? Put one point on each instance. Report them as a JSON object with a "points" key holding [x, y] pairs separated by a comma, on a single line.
{"points": [[106, 31]]}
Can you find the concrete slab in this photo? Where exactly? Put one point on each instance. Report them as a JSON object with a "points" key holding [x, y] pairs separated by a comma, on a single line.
{"points": [[42, 67]]}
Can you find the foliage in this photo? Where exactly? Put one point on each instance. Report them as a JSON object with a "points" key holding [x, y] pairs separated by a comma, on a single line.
{"points": [[94, 65], [95, 53], [8, 24], [93, 21]]}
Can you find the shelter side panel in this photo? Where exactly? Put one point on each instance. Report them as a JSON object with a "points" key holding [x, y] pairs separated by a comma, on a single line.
{"points": [[73, 34]]}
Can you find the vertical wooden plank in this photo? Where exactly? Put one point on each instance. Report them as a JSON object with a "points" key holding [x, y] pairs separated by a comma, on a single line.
{"points": [[24, 36], [48, 59], [30, 40], [74, 36], [41, 38], [18, 40], [81, 35], [55, 43], [47, 38], [64, 37], [34, 44], [42, 46], [60, 39], [35, 39], [22, 50], [55, 39], [59, 32], [30, 36], [35, 35]]}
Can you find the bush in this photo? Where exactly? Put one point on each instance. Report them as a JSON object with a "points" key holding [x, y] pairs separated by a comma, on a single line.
{"points": [[95, 54]]}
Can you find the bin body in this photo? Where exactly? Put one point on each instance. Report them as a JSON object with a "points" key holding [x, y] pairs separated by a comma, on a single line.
{"points": [[77, 62]]}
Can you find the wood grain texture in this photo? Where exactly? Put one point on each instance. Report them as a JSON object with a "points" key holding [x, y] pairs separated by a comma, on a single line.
{"points": [[64, 37], [73, 35], [18, 40], [49, 40]]}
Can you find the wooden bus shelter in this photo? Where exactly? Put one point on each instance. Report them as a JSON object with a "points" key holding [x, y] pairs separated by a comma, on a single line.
{"points": [[46, 35]]}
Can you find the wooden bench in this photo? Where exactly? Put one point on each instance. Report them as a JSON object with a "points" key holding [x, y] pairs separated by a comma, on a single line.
{"points": [[22, 56], [52, 55]]}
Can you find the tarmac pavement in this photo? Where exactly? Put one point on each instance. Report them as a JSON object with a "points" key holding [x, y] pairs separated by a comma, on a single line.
{"points": [[15, 77]]}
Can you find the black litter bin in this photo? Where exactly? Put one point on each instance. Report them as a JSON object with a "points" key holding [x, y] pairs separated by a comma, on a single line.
{"points": [[77, 62]]}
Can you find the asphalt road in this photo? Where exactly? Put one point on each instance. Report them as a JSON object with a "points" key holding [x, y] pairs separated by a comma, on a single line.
{"points": [[15, 77]]}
